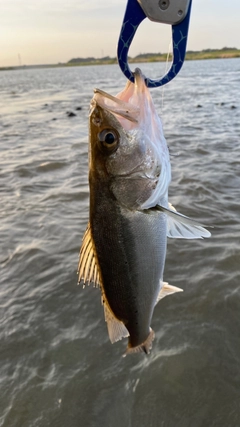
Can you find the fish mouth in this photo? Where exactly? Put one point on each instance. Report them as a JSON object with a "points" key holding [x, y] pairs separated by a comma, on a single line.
{"points": [[126, 105], [116, 106]]}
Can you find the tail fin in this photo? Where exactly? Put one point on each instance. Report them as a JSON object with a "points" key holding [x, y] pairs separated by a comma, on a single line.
{"points": [[144, 347]]}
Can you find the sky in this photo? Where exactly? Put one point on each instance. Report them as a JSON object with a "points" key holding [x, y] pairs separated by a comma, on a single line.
{"points": [[53, 31]]}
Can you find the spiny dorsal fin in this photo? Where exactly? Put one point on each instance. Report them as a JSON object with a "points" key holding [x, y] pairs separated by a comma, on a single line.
{"points": [[180, 226], [166, 290], [87, 266], [88, 272]]}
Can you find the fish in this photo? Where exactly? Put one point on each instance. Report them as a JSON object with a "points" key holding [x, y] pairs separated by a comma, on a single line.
{"points": [[124, 247]]}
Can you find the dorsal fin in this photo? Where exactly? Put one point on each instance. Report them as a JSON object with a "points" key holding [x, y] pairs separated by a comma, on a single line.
{"points": [[87, 266], [88, 272], [116, 329]]}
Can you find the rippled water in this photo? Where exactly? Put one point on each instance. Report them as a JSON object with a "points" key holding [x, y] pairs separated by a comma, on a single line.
{"points": [[57, 365]]}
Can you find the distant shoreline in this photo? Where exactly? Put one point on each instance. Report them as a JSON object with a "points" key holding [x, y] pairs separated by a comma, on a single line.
{"points": [[224, 53]]}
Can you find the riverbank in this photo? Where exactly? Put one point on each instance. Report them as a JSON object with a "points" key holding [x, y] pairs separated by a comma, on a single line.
{"points": [[159, 57], [225, 52]]}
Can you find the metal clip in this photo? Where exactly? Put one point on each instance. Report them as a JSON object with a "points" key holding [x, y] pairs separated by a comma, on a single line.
{"points": [[176, 13]]}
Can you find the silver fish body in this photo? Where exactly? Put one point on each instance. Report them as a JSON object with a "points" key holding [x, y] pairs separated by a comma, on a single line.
{"points": [[124, 247], [131, 254]]}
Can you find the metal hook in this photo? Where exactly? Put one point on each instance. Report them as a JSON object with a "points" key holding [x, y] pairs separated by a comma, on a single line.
{"points": [[133, 17]]}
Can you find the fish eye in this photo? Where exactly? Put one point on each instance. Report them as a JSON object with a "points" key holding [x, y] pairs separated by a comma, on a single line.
{"points": [[109, 138]]}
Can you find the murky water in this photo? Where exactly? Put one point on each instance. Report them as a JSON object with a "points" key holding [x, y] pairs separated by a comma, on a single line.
{"points": [[57, 365]]}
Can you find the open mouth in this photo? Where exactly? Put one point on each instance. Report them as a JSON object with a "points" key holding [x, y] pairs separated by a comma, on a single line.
{"points": [[116, 106]]}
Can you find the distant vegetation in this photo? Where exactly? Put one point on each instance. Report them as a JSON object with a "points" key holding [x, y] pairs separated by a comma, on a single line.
{"points": [[225, 52], [91, 61], [6, 68]]}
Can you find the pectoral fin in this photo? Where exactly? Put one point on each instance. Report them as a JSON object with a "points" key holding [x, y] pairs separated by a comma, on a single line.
{"points": [[166, 290], [87, 266], [182, 227]]}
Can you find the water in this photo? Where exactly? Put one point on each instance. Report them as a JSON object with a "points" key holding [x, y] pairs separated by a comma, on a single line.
{"points": [[57, 365]]}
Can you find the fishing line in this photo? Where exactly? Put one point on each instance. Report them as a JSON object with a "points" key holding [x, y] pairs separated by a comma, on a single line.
{"points": [[166, 68]]}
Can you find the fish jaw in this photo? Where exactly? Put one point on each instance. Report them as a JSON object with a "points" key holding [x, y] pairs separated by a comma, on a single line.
{"points": [[121, 109]]}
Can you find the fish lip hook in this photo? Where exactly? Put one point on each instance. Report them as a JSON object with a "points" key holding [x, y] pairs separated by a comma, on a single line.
{"points": [[133, 17]]}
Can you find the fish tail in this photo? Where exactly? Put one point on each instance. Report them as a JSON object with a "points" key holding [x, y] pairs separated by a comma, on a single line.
{"points": [[145, 347]]}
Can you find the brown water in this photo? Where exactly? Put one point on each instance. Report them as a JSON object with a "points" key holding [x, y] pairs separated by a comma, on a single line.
{"points": [[57, 365]]}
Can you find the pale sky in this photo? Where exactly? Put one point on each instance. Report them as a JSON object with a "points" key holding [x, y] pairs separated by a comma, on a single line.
{"points": [[52, 31]]}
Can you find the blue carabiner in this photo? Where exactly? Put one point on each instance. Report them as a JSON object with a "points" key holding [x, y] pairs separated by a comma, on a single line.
{"points": [[133, 17]]}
